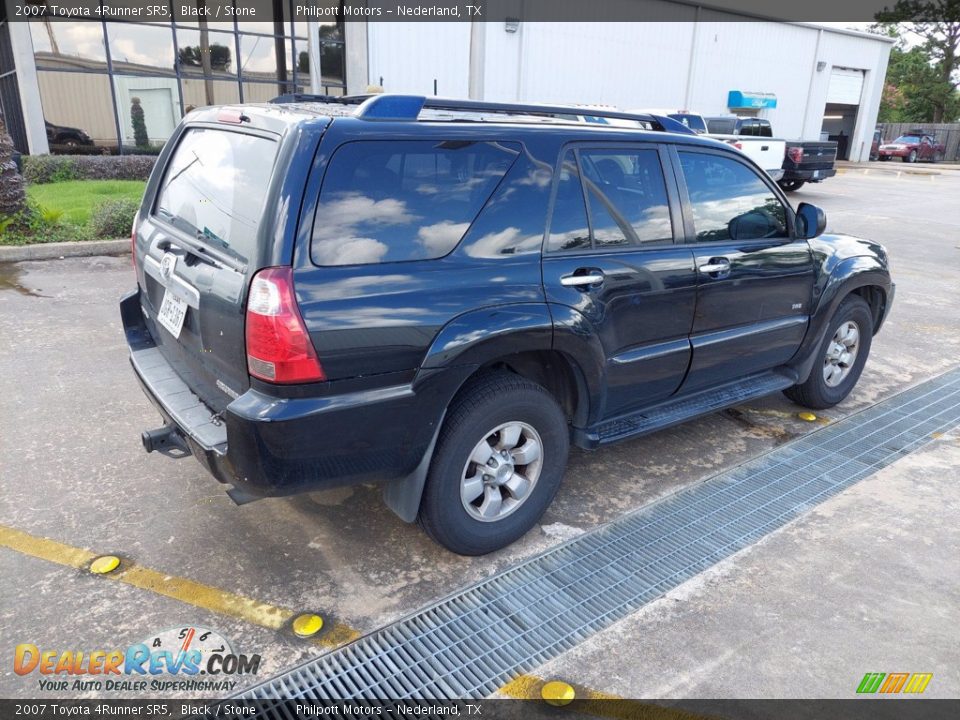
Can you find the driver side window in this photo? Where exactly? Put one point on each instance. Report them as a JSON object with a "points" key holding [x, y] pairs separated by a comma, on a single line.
{"points": [[729, 201]]}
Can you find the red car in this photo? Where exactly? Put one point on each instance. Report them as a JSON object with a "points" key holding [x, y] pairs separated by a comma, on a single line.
{"points": [[918, 145]]}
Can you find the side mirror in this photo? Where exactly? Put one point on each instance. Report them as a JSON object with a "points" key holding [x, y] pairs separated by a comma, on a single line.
{"points": [[811, 221]]}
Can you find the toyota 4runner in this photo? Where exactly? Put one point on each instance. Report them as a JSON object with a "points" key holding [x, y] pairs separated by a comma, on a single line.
{"points": [[443, 295]]}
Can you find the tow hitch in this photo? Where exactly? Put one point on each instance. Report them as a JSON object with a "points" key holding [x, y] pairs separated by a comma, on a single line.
{"points": [[166, 440]]}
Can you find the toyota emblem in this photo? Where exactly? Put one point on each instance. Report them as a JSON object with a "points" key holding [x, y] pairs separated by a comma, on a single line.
{"points": [[166, 266]]}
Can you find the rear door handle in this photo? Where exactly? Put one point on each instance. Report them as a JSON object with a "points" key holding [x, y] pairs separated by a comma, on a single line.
{"points": [[716, 265], [587, 277]]}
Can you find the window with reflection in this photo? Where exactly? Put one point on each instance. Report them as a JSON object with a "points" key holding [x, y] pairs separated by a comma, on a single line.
{"points": [[199, 92], [210, 53], [141, 48], [214, 187], [62, 45], [148, 110], [266, 59], [627, 197], [729, 200], [77, 112], [397, 201], [512, 220], [332, 63], [569, 229]]}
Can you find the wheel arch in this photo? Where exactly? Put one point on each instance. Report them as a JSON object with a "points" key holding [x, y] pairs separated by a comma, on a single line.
{"points": [[863, 276]]}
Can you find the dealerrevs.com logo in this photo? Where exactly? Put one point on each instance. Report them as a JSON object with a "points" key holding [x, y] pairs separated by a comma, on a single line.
{"points": [[180, 659]]}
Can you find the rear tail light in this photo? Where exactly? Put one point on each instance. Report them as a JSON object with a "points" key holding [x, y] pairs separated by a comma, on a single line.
{"points": [[279, 349], [795, 154]]}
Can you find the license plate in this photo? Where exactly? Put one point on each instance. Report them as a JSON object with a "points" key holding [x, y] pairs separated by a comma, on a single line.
{"points": [[173, 310], [816, 174]]}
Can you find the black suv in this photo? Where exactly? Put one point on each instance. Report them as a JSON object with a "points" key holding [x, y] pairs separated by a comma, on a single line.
{"points": [[443, 295]]}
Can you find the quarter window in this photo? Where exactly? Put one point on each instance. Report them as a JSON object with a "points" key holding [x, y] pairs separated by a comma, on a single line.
{"points": [[388, 201], [729, 201]]}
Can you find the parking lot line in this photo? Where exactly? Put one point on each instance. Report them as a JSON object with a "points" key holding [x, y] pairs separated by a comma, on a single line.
{"points": [[596, 704], [185, 590]]}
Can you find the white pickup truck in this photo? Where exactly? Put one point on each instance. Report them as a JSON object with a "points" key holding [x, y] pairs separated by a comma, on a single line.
{"points": [[753, 137]]}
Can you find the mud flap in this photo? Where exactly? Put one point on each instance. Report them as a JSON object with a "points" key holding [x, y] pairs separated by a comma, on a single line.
{"points": [[403, 495]]}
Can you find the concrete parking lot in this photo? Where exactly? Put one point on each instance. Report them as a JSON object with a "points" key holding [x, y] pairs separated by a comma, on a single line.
{"points": [[76, 482]]}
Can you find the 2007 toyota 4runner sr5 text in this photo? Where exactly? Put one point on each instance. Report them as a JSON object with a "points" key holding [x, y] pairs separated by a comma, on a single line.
{"points": [[443, 295]]}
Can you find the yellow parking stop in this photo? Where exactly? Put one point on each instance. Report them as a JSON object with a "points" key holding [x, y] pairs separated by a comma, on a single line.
{"points": [[104, 564], [558, 693], [307, 625]]}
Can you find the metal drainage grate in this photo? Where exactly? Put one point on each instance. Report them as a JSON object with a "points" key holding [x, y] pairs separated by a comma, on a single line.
{"points": [[470, 644]]}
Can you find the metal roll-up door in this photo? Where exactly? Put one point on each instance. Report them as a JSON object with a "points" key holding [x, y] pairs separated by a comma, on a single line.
{"points": [[846, 85]]}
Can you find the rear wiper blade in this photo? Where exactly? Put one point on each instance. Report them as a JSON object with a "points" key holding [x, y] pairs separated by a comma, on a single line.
{"points": [[200, 253]]}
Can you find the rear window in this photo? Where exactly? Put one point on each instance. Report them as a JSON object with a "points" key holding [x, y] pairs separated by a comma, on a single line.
{"points": [[721, 126], [694, 122], [214, 186], [394, 201]]}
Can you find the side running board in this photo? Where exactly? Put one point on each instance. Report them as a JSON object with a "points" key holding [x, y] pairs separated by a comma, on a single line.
{"points": [[681, 409]]}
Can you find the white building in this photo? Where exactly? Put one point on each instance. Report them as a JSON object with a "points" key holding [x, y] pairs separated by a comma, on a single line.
{"points": [[807, 80]]}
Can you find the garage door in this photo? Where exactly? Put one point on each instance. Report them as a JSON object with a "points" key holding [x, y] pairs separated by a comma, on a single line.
{"points": [[845, 86]]}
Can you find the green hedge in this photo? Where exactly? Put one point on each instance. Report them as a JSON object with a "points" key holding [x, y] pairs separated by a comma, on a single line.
{"points": [[113, 218], [56, 168]]}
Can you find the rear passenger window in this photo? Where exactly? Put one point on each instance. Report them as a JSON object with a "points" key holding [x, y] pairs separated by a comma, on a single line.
{"points": [[389, 201], [729, 200], [627, 197]]}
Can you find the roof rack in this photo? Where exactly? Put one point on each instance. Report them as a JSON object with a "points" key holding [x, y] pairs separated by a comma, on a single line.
{"points": [[304, 97], [408, 107]]}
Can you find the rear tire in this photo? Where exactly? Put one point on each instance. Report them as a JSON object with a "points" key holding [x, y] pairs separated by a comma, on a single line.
{"points": [[790, 185], [841, 357], [473, 505]]}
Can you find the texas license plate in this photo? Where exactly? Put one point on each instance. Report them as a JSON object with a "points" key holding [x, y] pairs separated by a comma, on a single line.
{"points": [[173, 310]]}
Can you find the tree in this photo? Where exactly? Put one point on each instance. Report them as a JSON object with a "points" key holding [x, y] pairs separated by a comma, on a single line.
{"points": [[913, 91], [13, 197], [936, 24], [140, 137], [192, 56]]}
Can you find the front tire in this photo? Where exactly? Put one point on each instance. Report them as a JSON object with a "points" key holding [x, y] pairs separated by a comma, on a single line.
{"points": [[790, 185], [842, 355], [911, 158], [500, 458]]}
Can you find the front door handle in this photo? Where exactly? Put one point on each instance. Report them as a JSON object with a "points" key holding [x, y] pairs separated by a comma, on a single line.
{"points": [[716, 265], [593, 277]]}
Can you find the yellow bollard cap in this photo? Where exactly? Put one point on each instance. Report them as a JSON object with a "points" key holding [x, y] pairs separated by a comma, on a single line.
{"points": [[808, 416], [558, 693], [104, 564], [307, 624]]}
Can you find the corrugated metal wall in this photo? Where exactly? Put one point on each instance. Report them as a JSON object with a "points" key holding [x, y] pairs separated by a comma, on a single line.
{"points": [[637, 65]]}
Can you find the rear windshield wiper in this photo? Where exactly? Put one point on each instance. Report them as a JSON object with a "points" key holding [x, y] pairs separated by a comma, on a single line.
{"points": [[198, 252]]}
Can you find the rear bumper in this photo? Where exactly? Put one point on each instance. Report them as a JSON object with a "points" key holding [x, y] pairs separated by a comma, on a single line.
{"points": [[815, 175], [269, 446]]}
